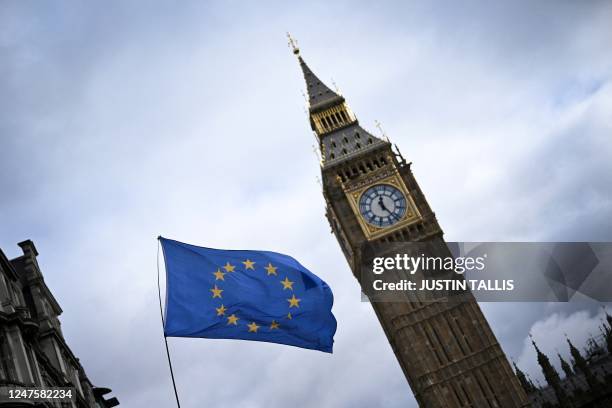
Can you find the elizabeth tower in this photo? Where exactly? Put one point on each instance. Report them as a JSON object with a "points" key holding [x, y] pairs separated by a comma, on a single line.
{"points": [[446, 350]]}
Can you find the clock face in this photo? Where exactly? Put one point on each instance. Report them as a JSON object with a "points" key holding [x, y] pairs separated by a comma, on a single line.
{"points": [[382, 205]]}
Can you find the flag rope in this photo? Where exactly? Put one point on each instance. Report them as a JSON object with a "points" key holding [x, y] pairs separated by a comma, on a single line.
{"points": [[161, 312]]}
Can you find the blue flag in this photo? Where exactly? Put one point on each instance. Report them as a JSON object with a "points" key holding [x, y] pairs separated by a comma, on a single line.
{"points": [[248, 295]]}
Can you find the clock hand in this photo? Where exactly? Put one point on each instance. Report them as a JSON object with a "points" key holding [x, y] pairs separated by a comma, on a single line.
{"points": [[381, 204]]}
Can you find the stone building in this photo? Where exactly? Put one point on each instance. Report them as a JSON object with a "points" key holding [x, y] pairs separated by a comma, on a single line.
{"points": [[33, 351], [585, 381], [447, 350]]}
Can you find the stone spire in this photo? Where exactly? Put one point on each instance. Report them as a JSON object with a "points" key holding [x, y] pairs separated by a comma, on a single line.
{"points": [[608, 318], [551, 375], [319, 94], [607, 329], [581, 364], [567, 369], [608, 337], [525, 383]]}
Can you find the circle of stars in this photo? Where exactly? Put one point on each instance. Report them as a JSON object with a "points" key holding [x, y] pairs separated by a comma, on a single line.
{"points": [[271, 271]]}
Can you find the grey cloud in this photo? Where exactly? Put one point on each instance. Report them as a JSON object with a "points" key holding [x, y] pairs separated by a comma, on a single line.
{"points": [[123, 121]]}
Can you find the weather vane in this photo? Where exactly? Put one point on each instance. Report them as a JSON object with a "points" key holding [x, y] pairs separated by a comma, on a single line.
{"points": [[293, 44]]}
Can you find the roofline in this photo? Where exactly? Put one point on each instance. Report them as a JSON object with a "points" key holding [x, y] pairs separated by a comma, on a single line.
{"points": [[6, 264]]}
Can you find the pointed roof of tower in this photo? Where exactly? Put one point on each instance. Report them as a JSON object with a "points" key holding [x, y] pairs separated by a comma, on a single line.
{"points": [[608, 317], [575, 353], [567, 369], [581, 363], [550, 374], [346, 138], [319, 94], [542, 358], [527, 386]]}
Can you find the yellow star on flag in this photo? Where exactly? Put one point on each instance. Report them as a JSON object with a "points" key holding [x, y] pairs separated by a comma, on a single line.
{"points": [[287, 284], [274, 325], [294, 302], [271, 269], [232, 319], [248, 264], [220, 310], [229, 267], [219, 275], [289, 316], [216, 292], [253, 327]]}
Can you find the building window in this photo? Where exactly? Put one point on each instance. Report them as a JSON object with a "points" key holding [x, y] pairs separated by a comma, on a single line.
{"points": [[7, 365]]}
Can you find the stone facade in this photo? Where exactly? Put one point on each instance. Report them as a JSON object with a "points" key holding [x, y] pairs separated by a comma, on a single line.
{"points": [[33, 352]]}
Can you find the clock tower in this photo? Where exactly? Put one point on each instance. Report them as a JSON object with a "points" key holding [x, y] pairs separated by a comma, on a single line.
{"points": [[446, 350]]}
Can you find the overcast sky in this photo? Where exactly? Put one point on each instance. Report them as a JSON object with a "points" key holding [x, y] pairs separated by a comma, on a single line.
{"points": [[121, 121]]}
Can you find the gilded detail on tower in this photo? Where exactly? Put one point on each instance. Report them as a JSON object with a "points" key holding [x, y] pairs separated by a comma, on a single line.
{"points": [[382, 205], [333, 118]]}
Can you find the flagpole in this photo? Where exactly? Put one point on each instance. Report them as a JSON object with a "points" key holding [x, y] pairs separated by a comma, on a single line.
{"points": [[161, 312]]}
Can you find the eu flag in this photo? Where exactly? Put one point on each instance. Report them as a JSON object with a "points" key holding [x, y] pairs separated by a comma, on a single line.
{"points": [[248, 295]]}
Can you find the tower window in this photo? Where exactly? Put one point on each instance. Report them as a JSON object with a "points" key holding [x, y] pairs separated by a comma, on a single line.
{"points": [[344, 118], [332, 156], [338, 117], [333, 118], [345, 140], [357, 146], [357, 135], [370, 140], [334, 145], [344, 151]]}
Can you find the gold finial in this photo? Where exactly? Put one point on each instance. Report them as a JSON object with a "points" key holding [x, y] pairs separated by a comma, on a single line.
{"points": [[293, 44]]}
